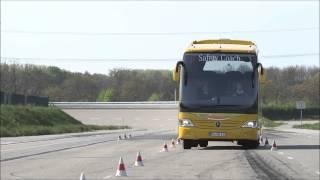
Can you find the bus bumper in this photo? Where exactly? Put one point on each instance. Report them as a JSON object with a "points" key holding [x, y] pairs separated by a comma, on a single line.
{"points": [[194, 133]]}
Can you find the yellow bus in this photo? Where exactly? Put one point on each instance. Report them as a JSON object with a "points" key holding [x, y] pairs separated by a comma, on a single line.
{"points": [[219, 82]]}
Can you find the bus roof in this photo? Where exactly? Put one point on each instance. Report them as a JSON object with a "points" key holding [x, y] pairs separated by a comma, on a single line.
{"points": [[222, 45]]}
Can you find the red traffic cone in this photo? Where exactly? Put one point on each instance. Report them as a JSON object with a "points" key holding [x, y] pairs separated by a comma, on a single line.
{"points": [[138, 161], [82, 176], [121, 170], [178, 141], [274, 146], [261, 139], [165, 147], [173, 143]]}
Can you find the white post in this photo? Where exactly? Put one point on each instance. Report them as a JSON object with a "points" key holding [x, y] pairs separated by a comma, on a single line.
{"points": [[175, 95], [301, 116]]}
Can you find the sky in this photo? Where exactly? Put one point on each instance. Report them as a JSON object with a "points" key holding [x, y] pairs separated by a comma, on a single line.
{"points": [[97, 36]]}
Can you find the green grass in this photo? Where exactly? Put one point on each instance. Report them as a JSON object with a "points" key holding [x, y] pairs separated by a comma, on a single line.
{"points": [[269, 123], [31, 120], [314, 126]]}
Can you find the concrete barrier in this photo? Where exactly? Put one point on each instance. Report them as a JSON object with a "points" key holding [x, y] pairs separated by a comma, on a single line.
{"points": [[116, 105]]}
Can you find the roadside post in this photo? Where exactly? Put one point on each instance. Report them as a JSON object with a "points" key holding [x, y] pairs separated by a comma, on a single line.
{"points": [[300, 105], [175, 95]]}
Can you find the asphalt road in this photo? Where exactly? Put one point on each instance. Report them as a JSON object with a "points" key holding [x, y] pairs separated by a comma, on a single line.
{"points": [[97, 154]]}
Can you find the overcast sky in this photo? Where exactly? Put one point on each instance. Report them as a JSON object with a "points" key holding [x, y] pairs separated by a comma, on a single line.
{"points": [[51, 31]]}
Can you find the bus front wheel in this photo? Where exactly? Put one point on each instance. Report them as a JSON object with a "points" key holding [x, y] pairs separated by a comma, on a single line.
{"points": [[249, 144], [187, 144], [203, 143]]}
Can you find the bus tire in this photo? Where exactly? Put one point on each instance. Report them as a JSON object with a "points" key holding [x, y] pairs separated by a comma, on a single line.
{"points": [[251, 144], [240, 143], [203, 143], [186, 144]]}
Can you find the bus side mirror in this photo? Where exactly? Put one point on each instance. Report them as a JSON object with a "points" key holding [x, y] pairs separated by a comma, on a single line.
{"points": [[262, 79], [176, 72], [175, 75]]}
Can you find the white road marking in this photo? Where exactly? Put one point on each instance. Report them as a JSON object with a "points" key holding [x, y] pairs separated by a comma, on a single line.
{"points": [[156, 119], [31, 147], [318, 172], [107, 177], [289, 157], [6, 143], [281, 153]]}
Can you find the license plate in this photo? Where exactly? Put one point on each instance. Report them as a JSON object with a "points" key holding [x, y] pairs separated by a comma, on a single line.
{"points": [[217, 134]]}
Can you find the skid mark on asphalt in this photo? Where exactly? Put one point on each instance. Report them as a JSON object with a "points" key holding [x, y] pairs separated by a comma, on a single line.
{"points": [[210, 171], [263, 169]]}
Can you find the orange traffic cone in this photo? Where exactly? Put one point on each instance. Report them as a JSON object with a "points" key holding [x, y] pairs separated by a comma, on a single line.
{"points": [[82, 176], [165, 147], [274, 146], [138, 161], [121, 170], [173, 143]]}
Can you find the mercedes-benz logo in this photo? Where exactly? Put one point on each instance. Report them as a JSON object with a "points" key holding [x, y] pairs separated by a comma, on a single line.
{"points": [[217, 123]]}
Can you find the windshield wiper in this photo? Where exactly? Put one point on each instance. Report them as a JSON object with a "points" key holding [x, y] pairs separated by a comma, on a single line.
{"points": [[252, 79]]}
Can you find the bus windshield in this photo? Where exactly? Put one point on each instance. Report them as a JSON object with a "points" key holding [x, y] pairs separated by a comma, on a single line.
{"points": [[216, 79]]}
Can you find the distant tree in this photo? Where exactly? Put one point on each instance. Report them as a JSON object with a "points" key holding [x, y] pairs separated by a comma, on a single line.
{"points": [[105, 95], [154, 97]]}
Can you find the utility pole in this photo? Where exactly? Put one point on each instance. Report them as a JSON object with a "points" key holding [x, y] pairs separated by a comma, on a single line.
{"points": [[14, 78]]}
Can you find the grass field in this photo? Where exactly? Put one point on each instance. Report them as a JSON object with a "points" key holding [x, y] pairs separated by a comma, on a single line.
{"points": [[31, 120], [314, 126]]}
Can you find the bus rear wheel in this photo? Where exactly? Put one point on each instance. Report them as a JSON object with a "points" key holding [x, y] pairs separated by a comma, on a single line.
{"points": [[203, 143]]}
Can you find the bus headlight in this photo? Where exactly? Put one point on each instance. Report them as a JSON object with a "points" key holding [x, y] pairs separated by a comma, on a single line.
{"points": [[185, 123], [250, 124]]}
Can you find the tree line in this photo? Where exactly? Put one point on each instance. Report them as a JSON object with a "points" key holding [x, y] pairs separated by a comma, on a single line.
{"points": [[283, 86], [62, 85]]}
